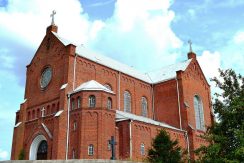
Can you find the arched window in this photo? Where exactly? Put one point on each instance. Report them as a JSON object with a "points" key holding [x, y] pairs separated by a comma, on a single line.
{"points": [[109, 103], [199, 116], [29, 116], [58, 107], [38, 113], [90, 150], [108, 86], [48, 109], [92, 101], [72, 104], [33, 114], [73, 154], [144, 106], [53, 108], [127, 102], [142, 149], [75, 125], [79, 102]]}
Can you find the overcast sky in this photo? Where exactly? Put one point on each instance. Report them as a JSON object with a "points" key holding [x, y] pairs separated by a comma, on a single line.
{"points": [[145, 34]]}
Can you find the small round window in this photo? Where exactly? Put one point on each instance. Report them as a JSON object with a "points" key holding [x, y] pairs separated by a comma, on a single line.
{"points": [[46, 77]]}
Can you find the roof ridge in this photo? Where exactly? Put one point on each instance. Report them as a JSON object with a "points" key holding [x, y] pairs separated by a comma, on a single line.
{"points": [[176, 63], [151, 77]]}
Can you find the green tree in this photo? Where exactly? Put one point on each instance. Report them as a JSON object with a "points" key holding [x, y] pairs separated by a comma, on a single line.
{"points": [[164, 150], [226, 136], [21, 155]]}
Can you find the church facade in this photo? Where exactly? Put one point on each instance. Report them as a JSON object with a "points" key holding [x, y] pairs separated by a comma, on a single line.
{"points": [[83, 105]]}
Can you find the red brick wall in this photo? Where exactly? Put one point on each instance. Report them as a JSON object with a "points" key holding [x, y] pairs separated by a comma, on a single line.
{"points": [[143, 133], [96, 126], [87, 70], [166, 103]]}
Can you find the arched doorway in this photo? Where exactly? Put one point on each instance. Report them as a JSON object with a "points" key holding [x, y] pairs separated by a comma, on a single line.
{"points": [[38, 148], [42, 151]]}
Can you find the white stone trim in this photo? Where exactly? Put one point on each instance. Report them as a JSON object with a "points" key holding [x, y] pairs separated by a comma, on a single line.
{"points": [[34, 146], [17, 125], [47, 131], [58, 113]]}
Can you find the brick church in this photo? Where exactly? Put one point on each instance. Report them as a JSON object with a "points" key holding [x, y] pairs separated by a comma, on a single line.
{"points": [[83, 105]]}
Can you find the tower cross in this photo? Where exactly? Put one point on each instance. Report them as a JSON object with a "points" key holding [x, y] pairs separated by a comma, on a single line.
{"points": [[52, 15], [190, 43]]}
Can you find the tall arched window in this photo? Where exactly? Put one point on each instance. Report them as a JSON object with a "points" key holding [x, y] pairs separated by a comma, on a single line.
{"points": [[109, 103], [199, 116], [127, 102], [90, 150], [79, 102], [144, 106], [92, 101]]}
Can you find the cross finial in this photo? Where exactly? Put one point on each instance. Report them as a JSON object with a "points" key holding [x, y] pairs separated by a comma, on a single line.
{"points": [[52, 15], [43, 112], [190, 43]]}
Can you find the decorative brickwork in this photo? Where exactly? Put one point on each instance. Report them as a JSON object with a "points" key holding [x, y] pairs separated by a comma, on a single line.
{"points": [[86, 135]]}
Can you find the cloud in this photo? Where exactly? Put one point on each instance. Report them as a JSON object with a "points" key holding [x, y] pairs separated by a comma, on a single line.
{"points": [[3, 154], [139, 29], [210, 63], [232, 55], [239, 37]]}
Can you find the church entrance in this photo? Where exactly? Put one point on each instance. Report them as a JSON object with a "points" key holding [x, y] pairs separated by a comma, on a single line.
{"points": [[42, 151], [38, 148]]}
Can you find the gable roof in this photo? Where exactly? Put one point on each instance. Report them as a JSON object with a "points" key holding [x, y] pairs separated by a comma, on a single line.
{"points": [[169, 72], [92, 85], [152, 77], [121, 116]]}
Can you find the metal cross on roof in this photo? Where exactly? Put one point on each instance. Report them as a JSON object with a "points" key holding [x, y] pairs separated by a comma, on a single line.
{"points": [[190, 43], [52, 15]]}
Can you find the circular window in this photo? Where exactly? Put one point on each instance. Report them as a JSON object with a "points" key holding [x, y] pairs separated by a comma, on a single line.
{"points": [[46, 77]]}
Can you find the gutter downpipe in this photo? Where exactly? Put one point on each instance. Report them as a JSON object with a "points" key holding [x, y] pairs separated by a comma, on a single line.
{"points": [[68, 115], [119, 90], [188, 145], [178, 95], [130, 139], [67, 133]]}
